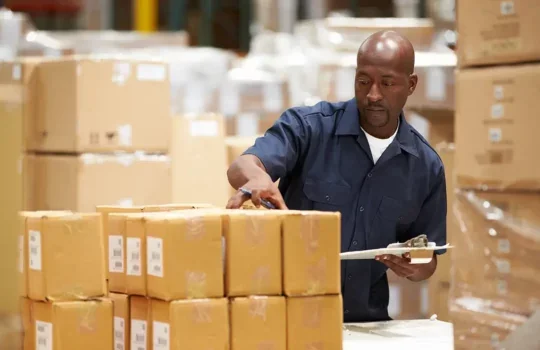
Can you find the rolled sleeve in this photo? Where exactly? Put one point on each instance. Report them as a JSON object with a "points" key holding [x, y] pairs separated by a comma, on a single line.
{"points": [[282, 145], [432, 218]]}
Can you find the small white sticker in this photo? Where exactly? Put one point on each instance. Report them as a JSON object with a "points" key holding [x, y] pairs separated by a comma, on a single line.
{"points": [[119, 333], [21, 254], [161, 332], [134, 256], [497, 111], [344, 84], [17, 72], [394, 306], [495, 135], [34, 248], [203, 128], [155, 256], [503, 266], [151, 72], [504, 246], [498, 92], [116, 254], [507, 8], [44, 335], [436, 84], [121, 72], [247, 124], [138, 335], [125, 202], [125, 133], [273, 97]]}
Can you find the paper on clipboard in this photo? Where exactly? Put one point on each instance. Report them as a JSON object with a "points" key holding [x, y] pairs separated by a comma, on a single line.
{"points": [[418, 255]]}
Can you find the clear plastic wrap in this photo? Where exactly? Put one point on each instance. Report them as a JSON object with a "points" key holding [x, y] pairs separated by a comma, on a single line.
{"points": [[495, 283]]}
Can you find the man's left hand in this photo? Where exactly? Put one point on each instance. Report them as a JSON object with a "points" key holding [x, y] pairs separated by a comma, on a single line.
{"points": [[403, 268]]}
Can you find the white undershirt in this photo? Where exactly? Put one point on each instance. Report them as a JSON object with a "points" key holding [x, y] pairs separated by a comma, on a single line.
{"points": [[378, 146]]}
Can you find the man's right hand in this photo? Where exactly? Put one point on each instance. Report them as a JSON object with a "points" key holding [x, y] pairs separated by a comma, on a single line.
{"points": [[261, 188]]}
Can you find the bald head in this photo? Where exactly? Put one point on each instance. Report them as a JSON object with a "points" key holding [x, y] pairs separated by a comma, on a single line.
{"points": [[388, 47]]}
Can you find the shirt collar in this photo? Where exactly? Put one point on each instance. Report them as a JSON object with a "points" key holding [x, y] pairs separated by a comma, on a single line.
{"points": [[349, 124]]}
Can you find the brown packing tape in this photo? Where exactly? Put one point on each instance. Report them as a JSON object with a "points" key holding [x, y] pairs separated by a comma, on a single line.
{"points": [[310, 232], [201, 311], [195, 227], [258, 307], [316, 272], [317, 276], [195, 284], [312, 313], [261, 275]]}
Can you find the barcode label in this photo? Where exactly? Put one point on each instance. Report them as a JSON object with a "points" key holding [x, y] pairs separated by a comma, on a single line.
{"points": [[116, 254], [161, 335], [34, 245], [134, 256], [138, 334], [21, 254], [119, 333], [155, 256], [507, 8], [44, 340]]}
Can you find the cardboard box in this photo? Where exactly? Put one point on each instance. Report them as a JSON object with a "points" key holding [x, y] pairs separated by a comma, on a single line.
{"points": [[66, 257], [504, 35], [311, 247], [136, 254], [140, 312], [436, 126], [27, 317], [84, 325], [185, 255], [80, 183], [253, 253], [493, 128], [200, 142], [249, 125], [315, 322], [258, 323], [116, 237], [408, 300], [121, 307], [105, 105], [190, 324]]}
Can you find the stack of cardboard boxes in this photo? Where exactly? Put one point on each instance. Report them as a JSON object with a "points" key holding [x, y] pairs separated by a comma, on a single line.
{"points": [[495, 283], [210, 277]]}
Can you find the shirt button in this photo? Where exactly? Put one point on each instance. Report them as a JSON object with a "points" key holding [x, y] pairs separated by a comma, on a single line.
{"points": [[354, 242], [349, 277], [327, 198], [361, 208], [370, 175], [346, 311]]}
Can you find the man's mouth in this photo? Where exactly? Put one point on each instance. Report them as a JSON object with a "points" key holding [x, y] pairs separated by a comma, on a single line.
{"points": [[376, 109]]}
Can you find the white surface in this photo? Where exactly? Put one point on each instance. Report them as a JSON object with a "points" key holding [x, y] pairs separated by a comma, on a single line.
{"points": [[154, 256], [116, 254], [44, 335], [134, 262], [372, 253], [34, 247], [119, 333], [403, 335]]}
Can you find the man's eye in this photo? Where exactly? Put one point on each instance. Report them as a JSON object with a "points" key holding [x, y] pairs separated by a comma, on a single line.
{"points": [[388, 83], [363, 82]]}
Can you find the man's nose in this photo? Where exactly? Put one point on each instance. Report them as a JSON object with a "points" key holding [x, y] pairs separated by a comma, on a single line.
{"points": [[374, 94]]}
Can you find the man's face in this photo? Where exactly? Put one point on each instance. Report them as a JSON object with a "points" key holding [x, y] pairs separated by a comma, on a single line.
{"points": [[381, 90]]}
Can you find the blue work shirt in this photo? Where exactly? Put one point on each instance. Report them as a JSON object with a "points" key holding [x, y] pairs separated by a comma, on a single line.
{"points": [[323, 161]]}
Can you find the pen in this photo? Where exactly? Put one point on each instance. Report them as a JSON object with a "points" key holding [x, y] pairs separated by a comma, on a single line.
{"points": [[264, 202]]}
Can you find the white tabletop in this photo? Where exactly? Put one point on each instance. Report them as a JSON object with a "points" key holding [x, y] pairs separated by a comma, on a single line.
{"points": [[404, 335]]}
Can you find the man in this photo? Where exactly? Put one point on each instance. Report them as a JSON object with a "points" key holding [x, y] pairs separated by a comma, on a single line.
{"points": [[363, 159]]}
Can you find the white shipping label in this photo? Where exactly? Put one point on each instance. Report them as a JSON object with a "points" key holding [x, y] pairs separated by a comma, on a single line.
{"points": [[498, 92], [497, 111], [495, 135], [138, 335], [394, 306], [344, 83], [504, 246], [503, 266], [125, 133], [507, 8], [161, 333], [155, 256], [116, 254], [21, 254], [119, 333], [436, 84], [17, 72], [34, 249], [134, 264], [151, 72], [44, 335], [204, 128], [273, 97]]}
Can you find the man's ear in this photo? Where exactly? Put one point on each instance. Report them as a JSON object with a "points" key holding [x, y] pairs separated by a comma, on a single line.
{"points": [[413, 80]]}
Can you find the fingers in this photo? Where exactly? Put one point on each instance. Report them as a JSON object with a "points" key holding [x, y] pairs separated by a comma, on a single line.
{"points": [[273, 197], [236, 201], [399, 265]]}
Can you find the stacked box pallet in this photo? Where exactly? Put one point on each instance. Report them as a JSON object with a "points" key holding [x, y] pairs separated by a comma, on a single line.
{"points": [[494, 281], [63, 282], [244, 279]]}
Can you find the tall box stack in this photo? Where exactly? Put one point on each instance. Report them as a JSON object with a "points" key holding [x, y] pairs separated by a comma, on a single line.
{"points": [[64, 289], [101, 130], [494, 281]]}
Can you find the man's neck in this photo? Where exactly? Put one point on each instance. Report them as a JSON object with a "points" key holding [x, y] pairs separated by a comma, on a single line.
{"points": [[384, 132]]}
